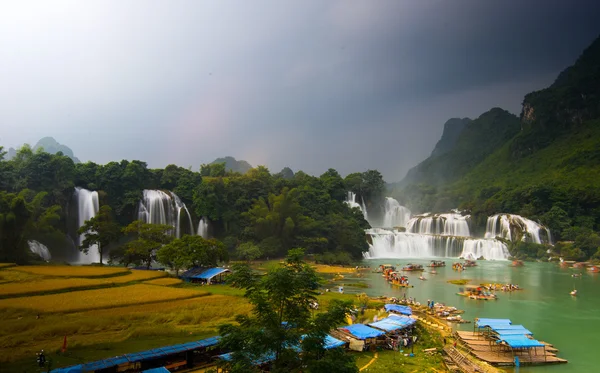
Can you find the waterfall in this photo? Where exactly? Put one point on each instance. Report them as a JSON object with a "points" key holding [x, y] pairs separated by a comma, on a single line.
{"points": [[203, 227], [395, 244], [158, 207], [395, 215], [488, 248], [450, 224], [87, 208], [351, 201], [508, 226], [39, 249]]}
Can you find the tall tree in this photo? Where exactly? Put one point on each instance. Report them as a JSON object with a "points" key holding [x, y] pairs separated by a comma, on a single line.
{"points": [[100, 231], [192, 251], [149, 238], [281, 316]]}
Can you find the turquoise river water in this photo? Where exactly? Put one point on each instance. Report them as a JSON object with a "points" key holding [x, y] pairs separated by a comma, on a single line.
{"points": [[571, 324]]}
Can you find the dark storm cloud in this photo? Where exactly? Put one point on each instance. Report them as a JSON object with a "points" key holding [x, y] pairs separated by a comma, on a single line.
{"points": [[310, 85]]}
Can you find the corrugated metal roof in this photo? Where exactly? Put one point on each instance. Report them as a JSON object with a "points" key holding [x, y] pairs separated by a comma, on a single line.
{"points": [[210, 273]]}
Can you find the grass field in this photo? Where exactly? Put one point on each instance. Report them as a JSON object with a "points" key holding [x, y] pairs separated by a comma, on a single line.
{"points": [[98, 298], [166, 281], [72, 271]]}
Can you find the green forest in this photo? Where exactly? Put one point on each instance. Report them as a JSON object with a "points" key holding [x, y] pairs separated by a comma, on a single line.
{"points": [[257, 214], [544, 165]]}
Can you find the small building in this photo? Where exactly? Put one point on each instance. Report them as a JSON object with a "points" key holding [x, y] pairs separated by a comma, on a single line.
{"points": [[206, 276]]}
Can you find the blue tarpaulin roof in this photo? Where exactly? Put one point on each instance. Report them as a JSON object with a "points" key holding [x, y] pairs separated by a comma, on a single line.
{"points": [[393, 323], [157, 370], [513, 332], [331, 342], [515, 341], [139, 356], [260, 361], [361, 331], [508, 327], [483, 322], [405, 310], [210, 273]]}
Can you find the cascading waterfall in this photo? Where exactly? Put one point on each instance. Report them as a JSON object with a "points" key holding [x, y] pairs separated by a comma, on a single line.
{"points": [[87, 208], [39, 249], [351, 201], [158, 207], [434, 235], [203, 228], [509, 226], [451, 224], [395, 244], [487, 248], [395, 215]]}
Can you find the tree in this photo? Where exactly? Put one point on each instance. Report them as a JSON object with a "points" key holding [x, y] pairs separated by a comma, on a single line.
{"points": [[100, 231], [149, 238], [281, 316], [192, 251], [248, 251]]}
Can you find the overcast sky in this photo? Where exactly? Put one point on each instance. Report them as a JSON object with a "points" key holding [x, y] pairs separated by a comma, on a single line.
{"points": [[352, 85]]}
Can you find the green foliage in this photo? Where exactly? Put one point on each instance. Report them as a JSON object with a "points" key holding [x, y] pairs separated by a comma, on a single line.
{"points": [[100, 230], [281, 315], [22, 217], [148, 239], [248, 251], [342, 258], [192, 251]]}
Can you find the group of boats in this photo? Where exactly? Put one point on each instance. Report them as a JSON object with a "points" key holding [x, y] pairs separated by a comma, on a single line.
{"points": [[458, 266]]}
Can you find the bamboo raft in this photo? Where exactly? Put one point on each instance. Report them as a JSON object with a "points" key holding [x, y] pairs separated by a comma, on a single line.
{"points": [[500, 355]]}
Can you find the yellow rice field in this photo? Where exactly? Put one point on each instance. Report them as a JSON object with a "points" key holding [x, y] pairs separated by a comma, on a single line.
{"points": [[72, 271], [165, 281], [101, 298], [22, 283], [4, 265]]}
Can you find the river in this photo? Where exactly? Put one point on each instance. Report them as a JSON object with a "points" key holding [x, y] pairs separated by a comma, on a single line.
{"points": [[544, 306]]}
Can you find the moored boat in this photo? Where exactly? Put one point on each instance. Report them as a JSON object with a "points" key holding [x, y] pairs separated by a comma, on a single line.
{"points": [[470, 263], [437, 263], [413, 267], [477, 292]]}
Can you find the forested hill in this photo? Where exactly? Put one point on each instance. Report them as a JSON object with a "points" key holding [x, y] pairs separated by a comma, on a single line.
{"points": [[461, 149], [544, 165], [233, 165]]}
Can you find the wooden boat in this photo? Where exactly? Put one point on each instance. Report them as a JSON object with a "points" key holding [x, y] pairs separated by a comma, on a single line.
{"points": [[413, 267], [397, 279], [470, 263], [477, 292], [593, 269], [422, 278], [457, 266], [573, 293], [437, 263], [517, 263]]}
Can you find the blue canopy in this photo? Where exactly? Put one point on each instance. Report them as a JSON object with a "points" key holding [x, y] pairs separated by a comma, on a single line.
{"points": [[139, 356], [361, 331], [210, 273], [260, 361], [405, 310], [331, 342], [156, 370], [394, 322], [513, 332], [508, 327], [484, 322], [521, 342]]}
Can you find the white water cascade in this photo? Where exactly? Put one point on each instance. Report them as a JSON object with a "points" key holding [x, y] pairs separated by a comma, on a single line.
{"points": [[351, 201], [510, 226], [451, 224], [39, 249], [395, 215], [434, 235], [158, 207], [203, 228], [87, 208]]}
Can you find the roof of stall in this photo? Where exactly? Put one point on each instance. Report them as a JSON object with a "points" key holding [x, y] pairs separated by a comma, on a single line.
{"points": [[502, 333], [361, 331], [156, 370], [139, 356], [405, 310], [210, 273], [521, 341], [393, 323], [260, 361], [482, 323]]}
